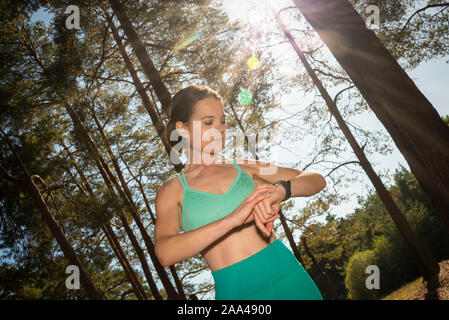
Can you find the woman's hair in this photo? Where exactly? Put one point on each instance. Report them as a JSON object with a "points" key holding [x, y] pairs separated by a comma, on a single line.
{"points": [[181, 108]]}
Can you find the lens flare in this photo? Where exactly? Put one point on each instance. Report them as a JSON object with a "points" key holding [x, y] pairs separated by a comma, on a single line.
{"points": [[192, 37], [253, 62], [245, 97]]}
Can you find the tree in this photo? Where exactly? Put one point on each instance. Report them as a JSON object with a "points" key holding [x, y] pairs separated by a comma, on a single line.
{"points": [[29, 183], [390, 93], [428, 264]]}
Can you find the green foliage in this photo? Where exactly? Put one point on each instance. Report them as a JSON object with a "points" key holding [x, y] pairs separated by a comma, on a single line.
{"points": [[387, 254], [356, 275], [370, 228], [30, 293]]}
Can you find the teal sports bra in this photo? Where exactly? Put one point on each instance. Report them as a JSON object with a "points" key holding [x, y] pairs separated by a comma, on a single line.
{"points": [[201, 208]]}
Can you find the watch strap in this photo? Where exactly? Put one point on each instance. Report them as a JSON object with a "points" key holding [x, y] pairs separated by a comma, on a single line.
{"points": [[287, 186]]}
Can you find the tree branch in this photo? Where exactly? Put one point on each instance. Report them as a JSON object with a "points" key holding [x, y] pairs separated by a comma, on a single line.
{"points": [[424, 9]]}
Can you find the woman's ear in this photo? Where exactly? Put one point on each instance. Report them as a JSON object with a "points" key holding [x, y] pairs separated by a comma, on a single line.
{"points": [[182, 129]]}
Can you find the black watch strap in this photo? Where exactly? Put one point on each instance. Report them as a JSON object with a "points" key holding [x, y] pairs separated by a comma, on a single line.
{"points": [[287, 187]]}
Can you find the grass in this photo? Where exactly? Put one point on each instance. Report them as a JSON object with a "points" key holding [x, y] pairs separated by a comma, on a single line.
{"points": [[417, 289], [406, 292]]}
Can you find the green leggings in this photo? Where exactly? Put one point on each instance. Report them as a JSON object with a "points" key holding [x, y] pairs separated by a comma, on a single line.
{"points": [[273, 273]]}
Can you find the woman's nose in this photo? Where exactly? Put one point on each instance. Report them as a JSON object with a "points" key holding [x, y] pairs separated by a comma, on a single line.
{"points": [[221, 127]]}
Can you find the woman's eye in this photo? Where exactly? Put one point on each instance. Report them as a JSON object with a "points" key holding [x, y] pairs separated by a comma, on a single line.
{"points": [[210, 123]]}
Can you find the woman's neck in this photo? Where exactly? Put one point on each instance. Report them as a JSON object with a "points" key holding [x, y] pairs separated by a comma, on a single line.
{"points": [[211, 160]]}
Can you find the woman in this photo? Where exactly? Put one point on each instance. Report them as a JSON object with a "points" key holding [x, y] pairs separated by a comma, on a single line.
{"points": [[227, 209]]}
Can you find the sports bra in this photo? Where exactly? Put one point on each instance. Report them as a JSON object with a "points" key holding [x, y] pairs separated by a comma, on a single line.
{"points": [[201, 208]]}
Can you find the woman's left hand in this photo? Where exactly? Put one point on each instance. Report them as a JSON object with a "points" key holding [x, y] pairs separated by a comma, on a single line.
{"points": [[267, 209]]}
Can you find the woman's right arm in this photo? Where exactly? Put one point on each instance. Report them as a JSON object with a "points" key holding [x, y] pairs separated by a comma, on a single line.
{"points": [[172, 247]]}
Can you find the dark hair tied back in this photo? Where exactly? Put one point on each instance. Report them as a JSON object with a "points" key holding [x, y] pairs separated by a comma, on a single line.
{"points": [[183, 102]]}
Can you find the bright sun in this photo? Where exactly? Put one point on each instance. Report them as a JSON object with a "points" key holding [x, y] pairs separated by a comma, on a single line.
{"points": [[253, 12]]}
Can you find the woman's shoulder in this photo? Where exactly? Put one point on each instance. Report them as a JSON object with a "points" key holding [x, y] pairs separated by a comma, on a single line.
{"points": [[169, 188]]}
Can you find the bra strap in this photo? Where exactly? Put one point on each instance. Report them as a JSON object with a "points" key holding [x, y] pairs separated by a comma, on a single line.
{"points": [[184, 180], [236, 165], [184, 184]]}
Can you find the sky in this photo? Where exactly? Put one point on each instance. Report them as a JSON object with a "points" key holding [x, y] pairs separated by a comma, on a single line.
{"points": [[430, 77]]}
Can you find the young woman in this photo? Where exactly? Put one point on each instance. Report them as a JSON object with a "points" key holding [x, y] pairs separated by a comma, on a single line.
{"points": [[227, 210]]}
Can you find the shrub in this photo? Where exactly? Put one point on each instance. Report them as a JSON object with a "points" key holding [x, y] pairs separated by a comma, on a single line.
{"points": [[356, 276]]}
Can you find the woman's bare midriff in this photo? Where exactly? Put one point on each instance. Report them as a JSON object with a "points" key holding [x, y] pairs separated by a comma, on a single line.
{"points": [[235, 246]]}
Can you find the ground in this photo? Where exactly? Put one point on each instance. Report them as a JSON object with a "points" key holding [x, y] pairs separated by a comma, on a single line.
{"points": [[416, 289]]}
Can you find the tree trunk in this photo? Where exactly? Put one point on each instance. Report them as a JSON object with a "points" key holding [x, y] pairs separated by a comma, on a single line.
{"points": [[153, 115], [157, 123], [142, 192], [290, 239], [153, 219], [87, 283], [428, 265], [124, 185], [89, 287], [107, 176], [405, 112], [109, 232], [139, 291], [141, 53], [321, 271]]}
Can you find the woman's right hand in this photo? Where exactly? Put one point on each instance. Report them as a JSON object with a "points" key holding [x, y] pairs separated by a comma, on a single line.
{"points": [[242, 213]]}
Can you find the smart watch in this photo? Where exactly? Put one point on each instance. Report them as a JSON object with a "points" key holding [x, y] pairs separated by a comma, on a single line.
{"points": [[287, 187]]}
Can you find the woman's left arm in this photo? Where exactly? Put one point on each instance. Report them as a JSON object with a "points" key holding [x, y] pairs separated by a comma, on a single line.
{"points": [[306, 184], [302, 183]]}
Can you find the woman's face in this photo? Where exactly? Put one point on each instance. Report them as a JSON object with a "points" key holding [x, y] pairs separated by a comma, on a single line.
{"points": [[207, 128]]}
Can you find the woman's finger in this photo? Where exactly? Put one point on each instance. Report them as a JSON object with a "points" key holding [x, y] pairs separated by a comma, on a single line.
{"points": [[269, 227], [265, 221], [261, 190], [276, 207], [250, 217], [251, 204], [258, 197], [269, 224], [263, 209], [258, 210], [260, 225], [266, 203], [271, 219]]}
